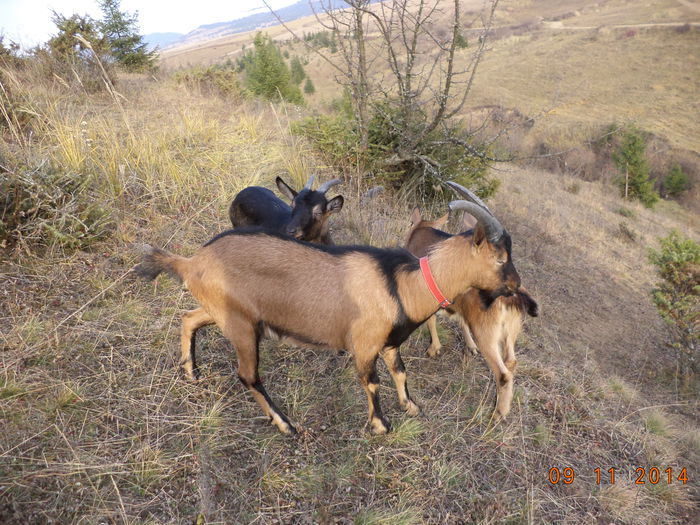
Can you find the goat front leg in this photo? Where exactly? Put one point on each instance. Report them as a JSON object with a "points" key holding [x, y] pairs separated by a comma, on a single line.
{"points": [[394, 363], [435, 345], [367, 372], [191, 322]]}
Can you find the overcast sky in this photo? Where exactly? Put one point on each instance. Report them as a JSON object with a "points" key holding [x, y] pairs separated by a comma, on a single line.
{"points": [[28, 22]]}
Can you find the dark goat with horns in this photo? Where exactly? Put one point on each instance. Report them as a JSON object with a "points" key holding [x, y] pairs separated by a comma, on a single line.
{"points": [[252, 282], [306, 219]]}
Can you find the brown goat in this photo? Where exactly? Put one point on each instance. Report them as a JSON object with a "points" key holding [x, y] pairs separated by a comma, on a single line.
{"points": [[494, 322], [362, 299]]}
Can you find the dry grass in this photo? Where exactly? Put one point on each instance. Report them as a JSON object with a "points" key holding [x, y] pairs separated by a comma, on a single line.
{"points": [[101, 427], [560, 71], [580, 94]]}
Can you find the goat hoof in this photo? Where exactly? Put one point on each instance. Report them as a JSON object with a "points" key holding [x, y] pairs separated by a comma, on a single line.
{"points": [[433, 351], [498, 417], [379, 426], [412, 409], [287, 429], [193, 375]]}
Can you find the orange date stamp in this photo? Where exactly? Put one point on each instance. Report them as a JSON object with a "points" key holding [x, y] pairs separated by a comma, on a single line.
{"points": [[640, 475]]}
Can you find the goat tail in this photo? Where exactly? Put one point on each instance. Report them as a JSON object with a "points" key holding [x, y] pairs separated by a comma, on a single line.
{"points": [[154, 261], [528, 304], [521, 301]]}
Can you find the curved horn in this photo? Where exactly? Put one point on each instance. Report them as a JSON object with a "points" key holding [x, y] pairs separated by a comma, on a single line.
{"points": [[467, 194], [371, 193], [493, 228], [323, 188], [309, 182]]}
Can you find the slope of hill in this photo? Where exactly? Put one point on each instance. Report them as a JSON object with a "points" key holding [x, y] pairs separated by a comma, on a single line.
{"points": [[99, 425]]}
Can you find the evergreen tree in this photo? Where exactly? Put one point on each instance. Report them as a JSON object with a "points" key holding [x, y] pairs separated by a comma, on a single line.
{"points": [[121, 31], [267, 74], [65, 46], [84, 60], [632, 164], [309, 87], [297, 70], [676, 181], [677, 296]]}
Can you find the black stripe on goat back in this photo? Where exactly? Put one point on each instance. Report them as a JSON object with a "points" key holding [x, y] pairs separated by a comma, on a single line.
{"points": [[388, 259]]}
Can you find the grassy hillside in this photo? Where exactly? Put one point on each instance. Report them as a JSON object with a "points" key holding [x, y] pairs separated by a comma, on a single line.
{"points": [[582, 65], [573, 67], [101, 427]]}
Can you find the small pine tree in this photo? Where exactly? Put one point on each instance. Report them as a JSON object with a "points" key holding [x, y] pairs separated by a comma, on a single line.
{"points": [[83, 60], [267, 74], [121, 31], [65, 46], [631, 162], [309, 88], [461, 41], [677, 297], [297, 70], [676, 182]]}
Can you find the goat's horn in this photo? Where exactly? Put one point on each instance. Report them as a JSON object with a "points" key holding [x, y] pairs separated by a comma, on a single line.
{"points": [[372, 193], [309, 182], [323, 188], [467, 194], [493, 228]]}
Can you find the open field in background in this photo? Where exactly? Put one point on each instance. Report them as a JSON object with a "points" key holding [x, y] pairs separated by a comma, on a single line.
{"points": [[100, 426], [575, 67], [647, 76]]}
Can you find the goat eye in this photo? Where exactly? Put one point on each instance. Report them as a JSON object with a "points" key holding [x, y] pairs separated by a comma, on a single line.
{"points": [[500, 262]]}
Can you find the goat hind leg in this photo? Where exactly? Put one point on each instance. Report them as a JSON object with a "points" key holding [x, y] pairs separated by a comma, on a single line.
{"points": [[244, 338], [469, 339], [192, 321], [509, 347], [435, 345], [490, 349], [394, 363]]}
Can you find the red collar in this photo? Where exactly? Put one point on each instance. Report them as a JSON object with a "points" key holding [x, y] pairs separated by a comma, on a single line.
{"points": [[428, 276]]}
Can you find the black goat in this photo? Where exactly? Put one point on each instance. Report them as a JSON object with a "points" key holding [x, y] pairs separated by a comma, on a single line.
{"points": [[306, 219]]}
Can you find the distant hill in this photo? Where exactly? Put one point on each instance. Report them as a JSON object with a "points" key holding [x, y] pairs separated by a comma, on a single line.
{"points": [[162, 40], [259, 20]]}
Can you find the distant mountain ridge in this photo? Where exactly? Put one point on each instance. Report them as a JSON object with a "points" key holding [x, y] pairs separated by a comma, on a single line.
{"points": [[162, 40], [300, 9]]}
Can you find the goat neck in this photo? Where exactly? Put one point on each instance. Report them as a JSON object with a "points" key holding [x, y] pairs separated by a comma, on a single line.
{"points": [[450, 265]]}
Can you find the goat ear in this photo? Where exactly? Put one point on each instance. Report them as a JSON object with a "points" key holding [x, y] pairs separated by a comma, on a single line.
{"points": [[416, 216], [439, 223], [479, 237], [335, 204], [468, 221], [285, 189]]}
